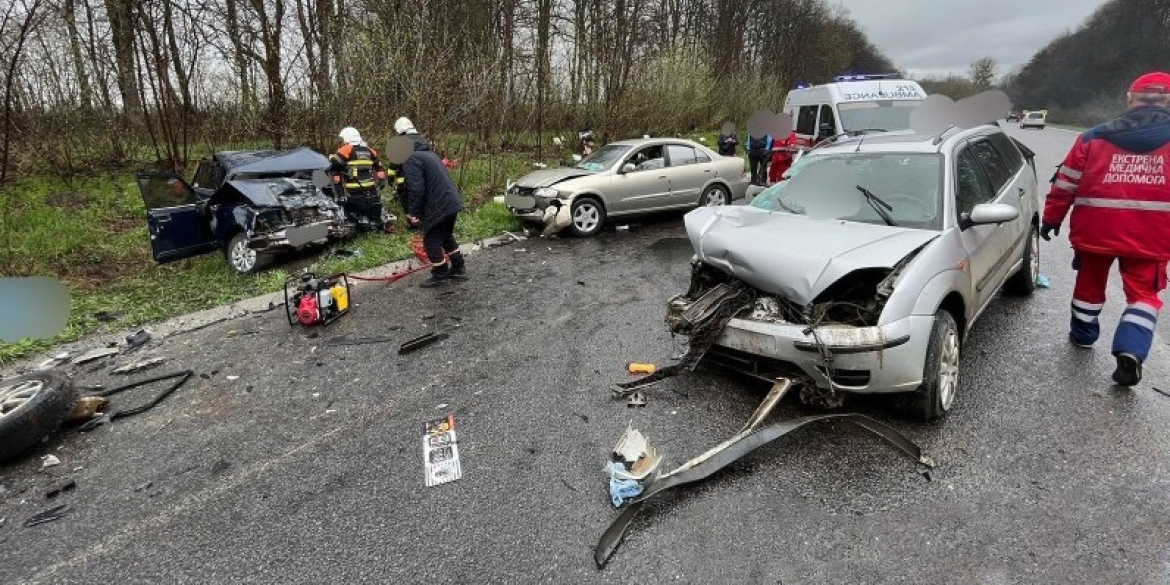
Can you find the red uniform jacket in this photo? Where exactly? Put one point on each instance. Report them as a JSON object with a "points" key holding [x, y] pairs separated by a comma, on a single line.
{"points": [[1116, 178]]}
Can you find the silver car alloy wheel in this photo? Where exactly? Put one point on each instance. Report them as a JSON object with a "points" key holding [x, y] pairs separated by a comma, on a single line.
{"points": [[243, 257], [13, 396], [948, 369], [715, 197], [586, 216]]}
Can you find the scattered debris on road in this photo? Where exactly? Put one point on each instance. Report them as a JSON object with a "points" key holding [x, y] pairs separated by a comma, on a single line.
{"points": [[49, 461], [357, 341], [420, 342], [50, 515], [636, 399], [54, 361], [67, 485], [96, 354], [749, 438], [1160, 391], [441, 452], [137, 340], [88, 407], [636, 368], [1042, 281], [181, 378], [138, 366], [631, 465]]}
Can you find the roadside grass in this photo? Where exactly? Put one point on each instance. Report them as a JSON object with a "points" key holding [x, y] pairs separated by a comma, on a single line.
{"points": [[91, 234]]}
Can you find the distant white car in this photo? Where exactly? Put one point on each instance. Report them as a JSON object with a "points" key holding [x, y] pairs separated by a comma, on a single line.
{"points": [[1034, 119]]}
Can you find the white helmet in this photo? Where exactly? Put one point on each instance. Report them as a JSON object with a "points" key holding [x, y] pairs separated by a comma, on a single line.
{"points": [[350, 135], [404, 126]]}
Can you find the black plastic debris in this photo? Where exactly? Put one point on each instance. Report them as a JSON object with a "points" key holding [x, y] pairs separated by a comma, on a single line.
{"points": [[180, 377], [636, 399], [137, 340], [50, 515], [138, 366], [107, 316], [357, 341], [420, 342], [1160, 391], [66, 486]]}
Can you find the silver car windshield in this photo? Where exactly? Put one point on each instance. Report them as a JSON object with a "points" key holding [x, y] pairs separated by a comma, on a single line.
{"points": [[883, 115], [906, 186], [604, 158]]}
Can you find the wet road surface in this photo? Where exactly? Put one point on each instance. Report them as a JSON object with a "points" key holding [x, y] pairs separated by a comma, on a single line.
{"points": [[306, 466]]}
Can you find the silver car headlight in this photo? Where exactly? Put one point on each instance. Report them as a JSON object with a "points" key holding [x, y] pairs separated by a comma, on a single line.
{"points": [[546, 193]]}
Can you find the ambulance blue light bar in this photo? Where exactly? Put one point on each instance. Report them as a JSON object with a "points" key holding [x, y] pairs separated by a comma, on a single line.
{"points": [[866, 77]]}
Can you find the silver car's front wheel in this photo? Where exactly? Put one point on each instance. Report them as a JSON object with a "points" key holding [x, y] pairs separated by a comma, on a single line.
{"points": [[940, 372], [588, 216]]}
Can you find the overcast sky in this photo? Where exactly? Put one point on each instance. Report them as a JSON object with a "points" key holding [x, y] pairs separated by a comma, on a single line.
{"points": [[936, 37]]}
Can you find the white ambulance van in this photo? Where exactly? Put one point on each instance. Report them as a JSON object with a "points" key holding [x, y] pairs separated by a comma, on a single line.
{"points": [[852, 103]]}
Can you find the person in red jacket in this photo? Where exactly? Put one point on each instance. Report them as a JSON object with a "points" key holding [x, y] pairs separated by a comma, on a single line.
{"points": [[782, 155], [1116, 179]]}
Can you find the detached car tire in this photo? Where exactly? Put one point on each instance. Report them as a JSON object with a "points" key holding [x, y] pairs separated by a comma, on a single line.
{"points": [[32, 407], [940, 373], [243, 259], [1023, 282], [588, 216]]}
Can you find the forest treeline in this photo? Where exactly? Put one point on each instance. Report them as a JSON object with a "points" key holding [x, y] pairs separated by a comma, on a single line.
{"points": [[1081, 76], [90, 84]]}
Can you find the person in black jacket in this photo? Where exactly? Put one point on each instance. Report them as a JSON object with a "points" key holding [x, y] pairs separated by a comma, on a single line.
{"points": [[433, 204]]}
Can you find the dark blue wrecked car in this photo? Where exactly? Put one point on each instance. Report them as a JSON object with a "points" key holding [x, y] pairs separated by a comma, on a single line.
{"points": [[251, 205]]}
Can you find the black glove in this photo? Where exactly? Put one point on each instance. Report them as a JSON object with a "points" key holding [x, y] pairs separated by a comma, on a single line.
{"points": [[1048, 229]]}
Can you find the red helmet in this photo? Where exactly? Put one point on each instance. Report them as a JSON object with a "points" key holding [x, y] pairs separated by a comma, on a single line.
{"points": [[1156, 82]]}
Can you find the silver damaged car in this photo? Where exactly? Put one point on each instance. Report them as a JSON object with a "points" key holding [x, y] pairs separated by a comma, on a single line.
{"points": [[626, 178], [871, 262]]}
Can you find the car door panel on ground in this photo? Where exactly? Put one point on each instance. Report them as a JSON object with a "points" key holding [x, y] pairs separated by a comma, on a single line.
{"points": [[973, 188], [645, 187], [689, 171], [174, 217]]}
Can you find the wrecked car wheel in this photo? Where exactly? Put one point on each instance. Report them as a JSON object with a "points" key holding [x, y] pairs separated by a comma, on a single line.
{"points": [[32, 407], [1023, 282], [940, 376], [714, 196], [588, 216], [243, 259]]}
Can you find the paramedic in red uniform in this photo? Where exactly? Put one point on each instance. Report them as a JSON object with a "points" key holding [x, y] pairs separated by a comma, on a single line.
{"points": [[781, 158], [1115, 179]]}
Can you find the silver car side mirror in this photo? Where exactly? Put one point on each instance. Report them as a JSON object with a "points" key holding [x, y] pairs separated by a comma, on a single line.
{"points": [[991, 213], [628, 168]]}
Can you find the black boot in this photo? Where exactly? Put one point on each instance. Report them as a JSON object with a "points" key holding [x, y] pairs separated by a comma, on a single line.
{"points": [[458, 265], [440, 275], [1129, 370]]}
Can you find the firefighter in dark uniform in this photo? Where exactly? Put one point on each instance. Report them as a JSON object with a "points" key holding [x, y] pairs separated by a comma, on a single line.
{"points": [[356, 167], [433, 205]]}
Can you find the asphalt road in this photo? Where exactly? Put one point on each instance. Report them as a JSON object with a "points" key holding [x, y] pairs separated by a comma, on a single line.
{"points": [[290, 461]]}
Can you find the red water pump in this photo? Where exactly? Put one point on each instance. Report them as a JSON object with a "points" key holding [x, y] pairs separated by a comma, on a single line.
{"points": [[316, 301]]}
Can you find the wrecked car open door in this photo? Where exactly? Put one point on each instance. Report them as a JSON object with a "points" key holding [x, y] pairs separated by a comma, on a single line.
{"points": [[175, 217]]}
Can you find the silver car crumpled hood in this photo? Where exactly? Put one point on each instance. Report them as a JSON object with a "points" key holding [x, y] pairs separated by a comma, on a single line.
{"points": [[546, 177], [794, 256]]}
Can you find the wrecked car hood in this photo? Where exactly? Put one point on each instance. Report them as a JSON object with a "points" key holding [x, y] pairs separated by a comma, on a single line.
{"points": [[272, 161], [546, 177], [794, 256], [287, 193]]}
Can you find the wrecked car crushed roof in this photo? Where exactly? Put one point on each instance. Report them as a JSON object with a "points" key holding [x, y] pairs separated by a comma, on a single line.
{"points": [[241, 162]]}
